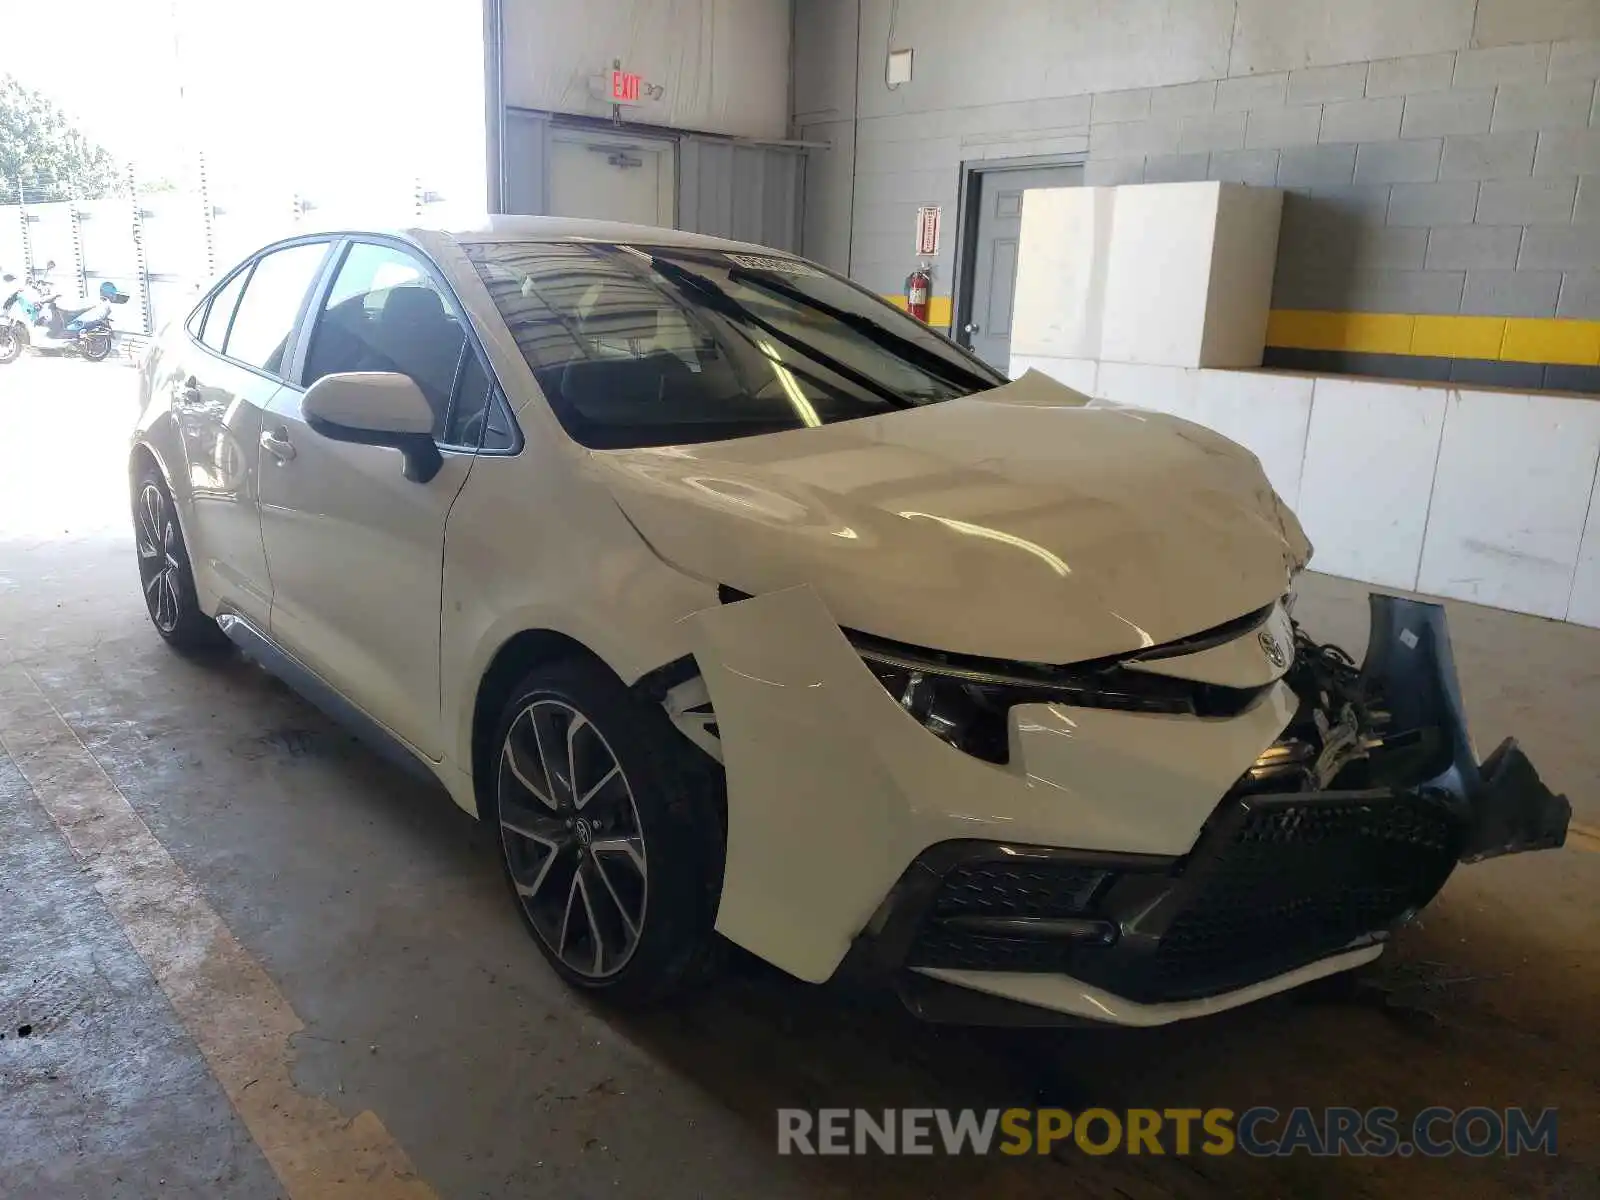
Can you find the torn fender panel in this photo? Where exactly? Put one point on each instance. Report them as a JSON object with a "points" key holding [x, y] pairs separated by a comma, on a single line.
{"points": [[833, 789], [1504, 805]]}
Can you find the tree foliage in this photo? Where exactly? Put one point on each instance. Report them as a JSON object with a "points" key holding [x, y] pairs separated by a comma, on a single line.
{"points": [[46, 153]]}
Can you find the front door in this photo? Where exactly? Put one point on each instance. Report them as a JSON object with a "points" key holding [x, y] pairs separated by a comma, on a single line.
{"points": [[355, 549], [994, 277]]}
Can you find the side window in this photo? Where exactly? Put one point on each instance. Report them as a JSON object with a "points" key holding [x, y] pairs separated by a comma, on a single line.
{"points": [[384, 313], [499, 433], [214, 329], [472, 395], [478, 416], [265, 319]]}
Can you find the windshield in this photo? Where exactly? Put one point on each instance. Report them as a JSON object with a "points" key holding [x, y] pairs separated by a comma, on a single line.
{"points": [[659, 345]]}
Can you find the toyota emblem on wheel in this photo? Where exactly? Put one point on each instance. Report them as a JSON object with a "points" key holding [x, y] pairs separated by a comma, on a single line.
{"points": [[1272, 648]]}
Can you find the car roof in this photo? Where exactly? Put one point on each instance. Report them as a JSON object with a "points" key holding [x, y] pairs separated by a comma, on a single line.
{"points": [[503, 228]]}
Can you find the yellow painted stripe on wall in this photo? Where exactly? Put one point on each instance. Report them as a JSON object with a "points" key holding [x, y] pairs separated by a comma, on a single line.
{"points": [[1512, 339], [938, 308]]}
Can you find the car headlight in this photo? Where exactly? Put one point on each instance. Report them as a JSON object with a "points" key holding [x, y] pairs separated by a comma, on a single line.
{"points": [[966, 701]]}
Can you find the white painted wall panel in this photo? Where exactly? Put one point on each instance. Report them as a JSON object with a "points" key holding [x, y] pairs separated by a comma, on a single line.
{"points": [[1510, 496], [1584, 607], [1158, 273], [1060, 298], [1267, 414], [1244, 254], [1080, 374], [1370, 454], [1165, 389], [724, 64], [1482, 496]]}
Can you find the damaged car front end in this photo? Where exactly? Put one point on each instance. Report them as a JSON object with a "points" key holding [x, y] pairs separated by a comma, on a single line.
{"points": [[1360, 797]]}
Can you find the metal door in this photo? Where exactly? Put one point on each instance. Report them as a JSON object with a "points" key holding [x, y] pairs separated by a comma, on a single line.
{"points": [[994, 276]]}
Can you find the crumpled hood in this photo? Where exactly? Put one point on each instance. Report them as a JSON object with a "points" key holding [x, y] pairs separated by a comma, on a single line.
{"points": [[1022, 523]]}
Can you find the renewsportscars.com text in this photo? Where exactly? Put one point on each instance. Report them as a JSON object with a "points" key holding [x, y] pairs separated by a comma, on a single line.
{"points": [[1259, 1132]]}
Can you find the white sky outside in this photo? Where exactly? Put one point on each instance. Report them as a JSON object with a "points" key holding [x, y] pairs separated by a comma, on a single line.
{"points": [[335, 99]]}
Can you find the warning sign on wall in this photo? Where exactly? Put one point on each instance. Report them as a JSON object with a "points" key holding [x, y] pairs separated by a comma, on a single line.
{"points": [[928, 230]]}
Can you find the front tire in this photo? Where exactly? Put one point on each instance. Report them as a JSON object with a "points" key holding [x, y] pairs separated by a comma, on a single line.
{"points": [[95, 346], [165, 574], [609, 832]]}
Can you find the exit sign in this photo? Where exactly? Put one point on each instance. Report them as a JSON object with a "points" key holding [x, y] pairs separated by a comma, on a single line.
{"points": [[625, 87]]}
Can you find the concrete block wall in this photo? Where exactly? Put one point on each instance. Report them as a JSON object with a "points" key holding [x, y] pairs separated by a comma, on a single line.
{"points": [[1442, 157], [1476, 494]]}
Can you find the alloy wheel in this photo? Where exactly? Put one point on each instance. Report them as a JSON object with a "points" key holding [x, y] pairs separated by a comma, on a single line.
{"points": [[572, 838], [156, 535]]}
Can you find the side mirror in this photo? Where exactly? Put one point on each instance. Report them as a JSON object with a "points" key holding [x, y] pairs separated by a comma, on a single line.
{"points": [[50, 265], [376, 408]]}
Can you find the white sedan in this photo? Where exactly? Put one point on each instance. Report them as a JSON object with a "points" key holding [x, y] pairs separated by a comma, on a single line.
{"points": [[742, 604]]}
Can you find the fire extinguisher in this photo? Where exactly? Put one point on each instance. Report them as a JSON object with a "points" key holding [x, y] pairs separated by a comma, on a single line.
{"points": [[919, 284]]}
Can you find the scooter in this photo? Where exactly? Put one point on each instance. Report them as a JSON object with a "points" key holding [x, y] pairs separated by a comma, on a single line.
{"points": [[34, 317]]}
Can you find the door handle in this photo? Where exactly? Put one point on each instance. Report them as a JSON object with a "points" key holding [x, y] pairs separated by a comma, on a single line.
{"points": [[969, 327], [277, 444]]}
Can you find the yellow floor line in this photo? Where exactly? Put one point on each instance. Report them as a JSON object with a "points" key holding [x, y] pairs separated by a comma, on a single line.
{"points": [[236, 1015], [1583, 837]]}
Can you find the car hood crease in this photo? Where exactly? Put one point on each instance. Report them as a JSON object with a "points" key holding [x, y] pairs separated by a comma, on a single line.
{"points": [[1022, 523]]}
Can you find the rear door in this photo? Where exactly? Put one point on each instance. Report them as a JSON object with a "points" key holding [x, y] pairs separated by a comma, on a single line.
{"points": [[356, 549], [226, 376]]}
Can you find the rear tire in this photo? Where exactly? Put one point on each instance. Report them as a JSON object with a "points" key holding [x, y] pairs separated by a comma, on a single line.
{"points": [[165, 574], [609, 832], [11, 343]]}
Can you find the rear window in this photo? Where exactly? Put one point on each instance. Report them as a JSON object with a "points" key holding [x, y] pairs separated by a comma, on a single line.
{"points": [[643, 345]]}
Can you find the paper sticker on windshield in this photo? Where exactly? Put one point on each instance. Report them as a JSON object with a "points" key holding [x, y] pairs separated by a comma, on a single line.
{"points": [[780, 266]]}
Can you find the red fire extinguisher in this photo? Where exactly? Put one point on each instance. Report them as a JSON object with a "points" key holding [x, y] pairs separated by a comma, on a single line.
{"points": [[919, 284]]}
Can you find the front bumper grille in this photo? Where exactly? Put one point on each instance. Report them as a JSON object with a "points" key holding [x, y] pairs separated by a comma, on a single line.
{"points": [[1274, 883], [1297, 879]]}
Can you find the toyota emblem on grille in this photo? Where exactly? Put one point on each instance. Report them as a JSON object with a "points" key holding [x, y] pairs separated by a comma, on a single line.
{"points": [[1272, 648]]}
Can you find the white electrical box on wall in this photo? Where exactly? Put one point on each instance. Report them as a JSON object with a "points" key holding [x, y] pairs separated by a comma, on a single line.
{"points": [[899, 68]]}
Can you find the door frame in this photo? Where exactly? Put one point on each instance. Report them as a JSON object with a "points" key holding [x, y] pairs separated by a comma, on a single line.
{"points": [[622, 140], [969, 196]]}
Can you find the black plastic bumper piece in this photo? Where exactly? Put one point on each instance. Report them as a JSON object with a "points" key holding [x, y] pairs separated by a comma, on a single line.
{"points": [[1273, 883]]}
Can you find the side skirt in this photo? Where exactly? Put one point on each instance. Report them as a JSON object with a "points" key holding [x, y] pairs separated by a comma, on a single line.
{"points": [[309, 684]]}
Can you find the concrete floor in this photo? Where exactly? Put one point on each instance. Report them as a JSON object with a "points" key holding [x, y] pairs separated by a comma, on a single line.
{"points": [[376, 911]]}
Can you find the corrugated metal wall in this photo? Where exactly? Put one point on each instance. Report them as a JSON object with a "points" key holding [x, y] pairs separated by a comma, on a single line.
{"points": [[730, 189]]}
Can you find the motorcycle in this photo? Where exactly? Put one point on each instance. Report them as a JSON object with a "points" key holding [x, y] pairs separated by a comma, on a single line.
{"points": [[34, 317]]}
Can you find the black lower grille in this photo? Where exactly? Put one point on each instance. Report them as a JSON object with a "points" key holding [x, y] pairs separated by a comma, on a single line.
{"points": [[1002, 889], [1006, 888], [939, 945], [1274, 883], [1297, 879]]}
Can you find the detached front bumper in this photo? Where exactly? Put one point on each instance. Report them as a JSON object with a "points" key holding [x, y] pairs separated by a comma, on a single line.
{"points": [[1266, 892]]}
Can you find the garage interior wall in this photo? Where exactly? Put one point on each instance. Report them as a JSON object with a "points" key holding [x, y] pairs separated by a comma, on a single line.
{"points": [[1441, 157], [714, 104]]}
